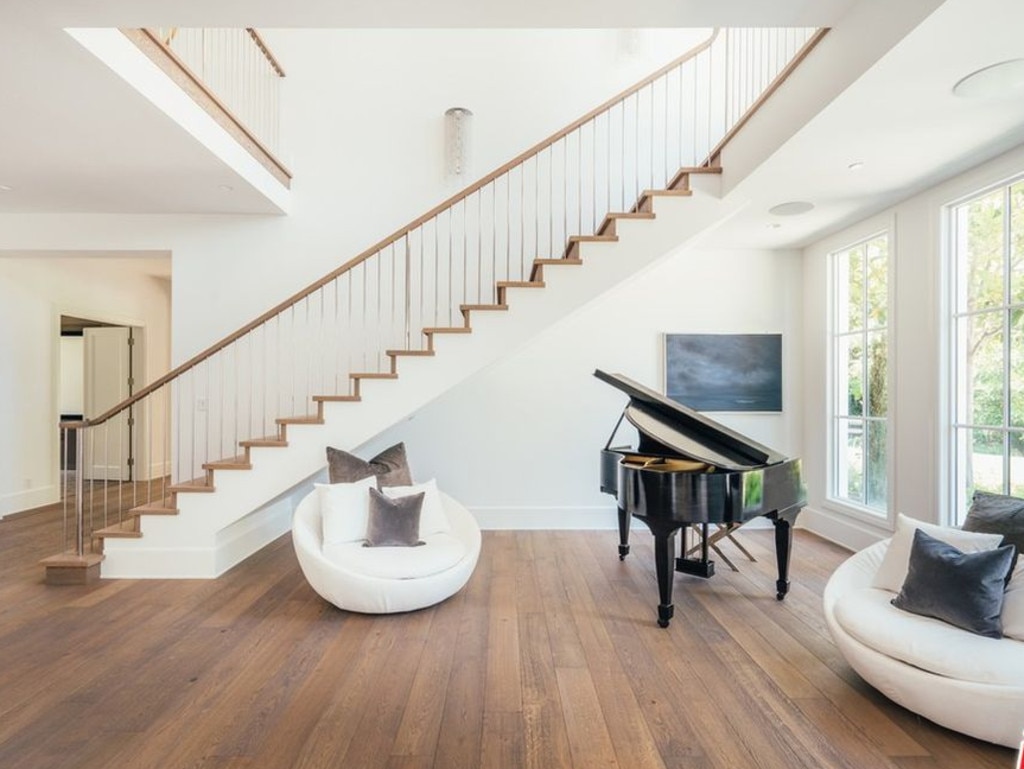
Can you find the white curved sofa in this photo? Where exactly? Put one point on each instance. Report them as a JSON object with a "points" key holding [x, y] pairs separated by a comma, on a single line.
{"points": [[383, 580], [966, 682]]}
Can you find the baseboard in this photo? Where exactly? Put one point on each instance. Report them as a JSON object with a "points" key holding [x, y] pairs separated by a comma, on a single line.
{"points": [[140, 562], [845, 532], [29, 499]]}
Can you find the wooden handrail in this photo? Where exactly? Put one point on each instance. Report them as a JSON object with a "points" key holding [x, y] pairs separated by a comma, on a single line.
{"points": [[198, 82], [266, 51], [432, 213], [395, 236], [772, 88]]}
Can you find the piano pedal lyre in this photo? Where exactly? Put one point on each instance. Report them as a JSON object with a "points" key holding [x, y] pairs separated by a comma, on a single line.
{"points": [[724, 531]]}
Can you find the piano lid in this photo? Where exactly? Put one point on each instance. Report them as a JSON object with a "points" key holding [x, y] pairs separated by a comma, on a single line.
{"points": [[686, 431]]}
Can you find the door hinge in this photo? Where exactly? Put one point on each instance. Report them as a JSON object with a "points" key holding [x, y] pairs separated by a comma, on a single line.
{"points": [[131, 461]]}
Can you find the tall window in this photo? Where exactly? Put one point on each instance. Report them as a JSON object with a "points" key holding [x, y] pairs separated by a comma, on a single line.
{"points": [[987, 249], [860, 354]]}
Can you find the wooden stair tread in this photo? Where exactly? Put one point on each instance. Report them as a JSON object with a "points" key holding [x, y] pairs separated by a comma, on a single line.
{"points": [[520, 284], [700, 170], [562, 260], [271, 441], [336, 399], [448, 330], [241, 462], [305, 420], [373, 375], [593, 238], [163, 506], [72, 560], [467, 307], [633, 215], [394, 353], [656, 193], [192, 487], [126, 529]]}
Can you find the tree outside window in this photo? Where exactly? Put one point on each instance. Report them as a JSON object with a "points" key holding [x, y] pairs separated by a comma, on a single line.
{"points": [[860, 366], [987, 238]]}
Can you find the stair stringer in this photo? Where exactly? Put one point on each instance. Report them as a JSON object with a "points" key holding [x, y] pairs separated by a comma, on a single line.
{"points": [[214, 531]]}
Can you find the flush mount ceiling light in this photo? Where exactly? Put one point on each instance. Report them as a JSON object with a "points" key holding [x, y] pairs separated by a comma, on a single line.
{"points": [[1002, 80], [6, 188], [792, 208]]}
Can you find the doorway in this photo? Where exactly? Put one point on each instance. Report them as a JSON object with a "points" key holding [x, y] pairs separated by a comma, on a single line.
{"points": [[99, 367]]}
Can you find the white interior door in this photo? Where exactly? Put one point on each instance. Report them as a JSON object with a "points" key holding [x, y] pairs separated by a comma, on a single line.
{"points": [[107, 381]]}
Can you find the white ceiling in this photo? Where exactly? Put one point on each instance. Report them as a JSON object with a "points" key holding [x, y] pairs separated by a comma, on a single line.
{"points": [[75, 137]]}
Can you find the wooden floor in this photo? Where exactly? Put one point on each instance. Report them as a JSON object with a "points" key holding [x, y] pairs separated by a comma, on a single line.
{"points": [[550, 657]]}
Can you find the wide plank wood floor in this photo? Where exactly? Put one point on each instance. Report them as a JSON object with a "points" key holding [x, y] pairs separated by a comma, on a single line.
{"points": [[550, 657]]}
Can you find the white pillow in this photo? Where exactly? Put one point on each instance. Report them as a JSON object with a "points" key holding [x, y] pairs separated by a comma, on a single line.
{"points": [[432, 516], [892, 572], [345, 510], [1013, 605]]}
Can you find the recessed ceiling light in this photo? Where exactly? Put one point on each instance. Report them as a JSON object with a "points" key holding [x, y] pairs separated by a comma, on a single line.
{"points": [[793, 208], [6, 188], [773, 225], [225, 187], [1005, 79], [856, 165]]}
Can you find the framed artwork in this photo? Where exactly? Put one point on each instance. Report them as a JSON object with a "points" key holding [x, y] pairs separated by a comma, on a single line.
{"points": [[724, 372]]}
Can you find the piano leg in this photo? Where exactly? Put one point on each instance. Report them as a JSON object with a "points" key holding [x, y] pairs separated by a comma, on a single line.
{"points": [[664, 553], [624, 521], [783, 543]]}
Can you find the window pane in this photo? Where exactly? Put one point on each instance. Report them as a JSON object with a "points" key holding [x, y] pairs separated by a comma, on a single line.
{"points": [[984, 251], [850, 371], [1016, 417], [850, 459], [985, 461], [877, 283], [1017, 243], [984, 369], [877, 391], [875, 487], [853, 311], [1017, 464]]}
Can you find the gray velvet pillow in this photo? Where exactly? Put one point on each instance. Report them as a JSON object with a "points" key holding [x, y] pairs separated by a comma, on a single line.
{"points": [[997, 514], [390, 467], [963, 589], [394, 522]]}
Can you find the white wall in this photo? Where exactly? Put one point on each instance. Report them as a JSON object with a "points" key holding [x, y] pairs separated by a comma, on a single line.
{"points": [[34, 293], [519, 443], [919, 472]]}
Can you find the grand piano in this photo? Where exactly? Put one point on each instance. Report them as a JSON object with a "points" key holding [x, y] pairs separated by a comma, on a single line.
{"points": [[688, 470]]}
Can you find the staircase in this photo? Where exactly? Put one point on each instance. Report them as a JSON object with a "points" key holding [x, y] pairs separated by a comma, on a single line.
{"points": [[220, 439]]}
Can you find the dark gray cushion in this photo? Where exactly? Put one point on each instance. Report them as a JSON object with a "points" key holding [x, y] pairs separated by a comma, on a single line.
{"points": [[997, 514], [394, 522], [963, 589], [390, 467]]}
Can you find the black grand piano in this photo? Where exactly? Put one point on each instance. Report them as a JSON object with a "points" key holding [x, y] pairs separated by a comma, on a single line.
{"points": [[689, 470]]}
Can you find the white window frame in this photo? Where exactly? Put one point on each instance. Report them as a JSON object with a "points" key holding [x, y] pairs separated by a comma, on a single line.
{"points": [[957, 496], [848, 506]]}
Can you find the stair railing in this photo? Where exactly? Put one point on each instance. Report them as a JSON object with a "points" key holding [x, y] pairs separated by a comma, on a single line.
{"points": [[423, 280], [233, 67]]}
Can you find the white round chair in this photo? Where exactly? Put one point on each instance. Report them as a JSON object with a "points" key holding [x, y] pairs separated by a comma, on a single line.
{"points": [[965, 682], [384, 580]]}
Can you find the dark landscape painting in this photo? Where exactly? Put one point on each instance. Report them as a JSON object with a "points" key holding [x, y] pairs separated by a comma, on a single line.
{"points": [[724, 372]]}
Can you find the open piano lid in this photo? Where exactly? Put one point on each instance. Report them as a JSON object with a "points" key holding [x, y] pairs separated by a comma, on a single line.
{"points": [[686, 431]]}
